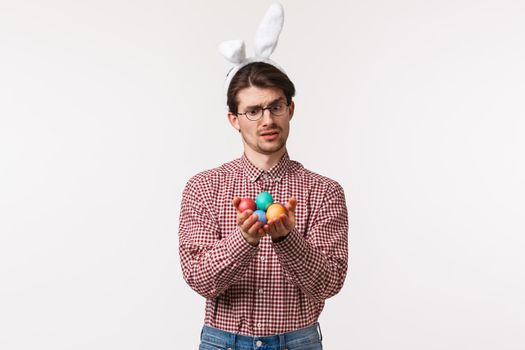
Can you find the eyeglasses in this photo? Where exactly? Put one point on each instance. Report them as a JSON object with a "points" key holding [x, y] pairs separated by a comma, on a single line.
{"points": [[255, 113]]}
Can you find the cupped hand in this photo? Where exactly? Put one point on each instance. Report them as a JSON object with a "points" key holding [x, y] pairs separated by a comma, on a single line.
{"points": [[249, 224], [281, 227]]}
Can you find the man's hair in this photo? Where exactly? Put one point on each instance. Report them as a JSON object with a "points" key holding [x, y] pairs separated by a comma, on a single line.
{"points": [[261, 75]]}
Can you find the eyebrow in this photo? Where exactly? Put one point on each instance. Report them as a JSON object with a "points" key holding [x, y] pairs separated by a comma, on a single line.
{"points": [[271, 103]]}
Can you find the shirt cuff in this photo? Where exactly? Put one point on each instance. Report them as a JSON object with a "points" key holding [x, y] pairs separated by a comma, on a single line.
{"points": [[238, 248], [292, 250]]}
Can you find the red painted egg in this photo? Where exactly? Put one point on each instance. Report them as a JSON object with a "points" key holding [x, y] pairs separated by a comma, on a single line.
{"points": [[246, 203]]}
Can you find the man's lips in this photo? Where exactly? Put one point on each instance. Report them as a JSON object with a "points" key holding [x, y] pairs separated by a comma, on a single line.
{"points": [[270, 135], [271, 132]]}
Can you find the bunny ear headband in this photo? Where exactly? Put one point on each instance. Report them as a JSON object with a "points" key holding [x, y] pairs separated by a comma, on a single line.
{"points": [[266, 39]]}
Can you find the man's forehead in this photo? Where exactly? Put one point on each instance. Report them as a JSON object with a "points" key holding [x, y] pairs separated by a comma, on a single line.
{"points": [[259, 96]]}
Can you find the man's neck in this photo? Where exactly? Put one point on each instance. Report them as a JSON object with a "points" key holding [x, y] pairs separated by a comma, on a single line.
{"points": [[264, 161]]}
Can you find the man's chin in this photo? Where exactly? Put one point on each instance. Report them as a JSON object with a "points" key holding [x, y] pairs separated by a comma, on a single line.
{"points": [[270, 149]]}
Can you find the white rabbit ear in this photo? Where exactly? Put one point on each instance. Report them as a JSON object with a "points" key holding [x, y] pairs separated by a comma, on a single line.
{"points": [[233, 50], [268, 32]]}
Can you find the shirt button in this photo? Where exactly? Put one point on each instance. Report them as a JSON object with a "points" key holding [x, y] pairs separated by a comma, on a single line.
{"points": [[262, 258], [261, 290], [259, 325], [258, 343]]}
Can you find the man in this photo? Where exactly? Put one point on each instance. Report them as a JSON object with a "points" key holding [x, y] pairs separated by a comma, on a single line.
{"points": [[265, 285]]}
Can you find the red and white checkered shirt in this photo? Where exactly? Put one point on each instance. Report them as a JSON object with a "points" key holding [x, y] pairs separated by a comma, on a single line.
{"points": [[275, 287]]}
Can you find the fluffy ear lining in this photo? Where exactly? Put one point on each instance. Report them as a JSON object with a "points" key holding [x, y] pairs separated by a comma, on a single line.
{"points": [[267, 34], [233, 50], [266, 39]]}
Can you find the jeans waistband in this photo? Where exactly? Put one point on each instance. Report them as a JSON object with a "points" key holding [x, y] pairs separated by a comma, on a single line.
{"points": [[302, 336]]}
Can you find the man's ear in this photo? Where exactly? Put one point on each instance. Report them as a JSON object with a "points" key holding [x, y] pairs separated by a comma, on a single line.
{"points": [[234, 121], [291, 108]]}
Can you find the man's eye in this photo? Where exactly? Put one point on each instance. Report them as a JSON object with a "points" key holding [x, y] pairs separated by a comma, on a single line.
{"points": [[277, 107], [253, 112]]}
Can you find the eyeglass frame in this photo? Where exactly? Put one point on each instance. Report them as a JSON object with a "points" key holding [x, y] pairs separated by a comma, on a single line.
{"points": [[263, 109]]}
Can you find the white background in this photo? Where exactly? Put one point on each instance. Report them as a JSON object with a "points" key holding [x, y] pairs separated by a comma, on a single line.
{"points": [[415, 107]]}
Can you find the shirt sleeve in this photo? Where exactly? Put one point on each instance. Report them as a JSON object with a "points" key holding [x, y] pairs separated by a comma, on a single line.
{"points": [[318, 263], [210, 264]]}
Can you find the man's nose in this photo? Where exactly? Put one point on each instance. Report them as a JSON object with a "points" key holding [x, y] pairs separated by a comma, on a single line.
{"points": [[266, 112]]}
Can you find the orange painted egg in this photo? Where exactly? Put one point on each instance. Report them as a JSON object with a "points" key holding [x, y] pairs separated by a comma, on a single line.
{"points": [[274, 211]]}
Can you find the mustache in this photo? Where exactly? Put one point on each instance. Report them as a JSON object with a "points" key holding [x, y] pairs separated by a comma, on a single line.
{"points": [[271, 129]]}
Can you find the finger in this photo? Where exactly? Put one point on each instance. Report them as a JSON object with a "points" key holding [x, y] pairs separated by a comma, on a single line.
{"points": [[291, 205], [279, 226], [291, 216], [247, 213], [286, 222], [236, 200], [271, 228], [253, 230], [291, 212], [242, 217], [252, 220], [249, 222]]}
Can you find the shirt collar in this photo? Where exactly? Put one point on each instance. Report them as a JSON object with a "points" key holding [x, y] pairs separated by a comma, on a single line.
{"points": [[276, 172]]}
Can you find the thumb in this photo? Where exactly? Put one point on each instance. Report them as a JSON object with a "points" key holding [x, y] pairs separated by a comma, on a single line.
{"points": [[236, 200], [291, 205]]}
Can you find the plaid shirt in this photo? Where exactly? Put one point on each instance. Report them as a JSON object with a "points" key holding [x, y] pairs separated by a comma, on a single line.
{"points": [[275, 287]]}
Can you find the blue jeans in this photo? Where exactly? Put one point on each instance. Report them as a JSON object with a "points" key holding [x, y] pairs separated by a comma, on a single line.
{"points": [[309, 338]]}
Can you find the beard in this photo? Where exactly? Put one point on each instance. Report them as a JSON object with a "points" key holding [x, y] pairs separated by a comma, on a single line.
{"points": [[270, 147], [266, 147]]}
